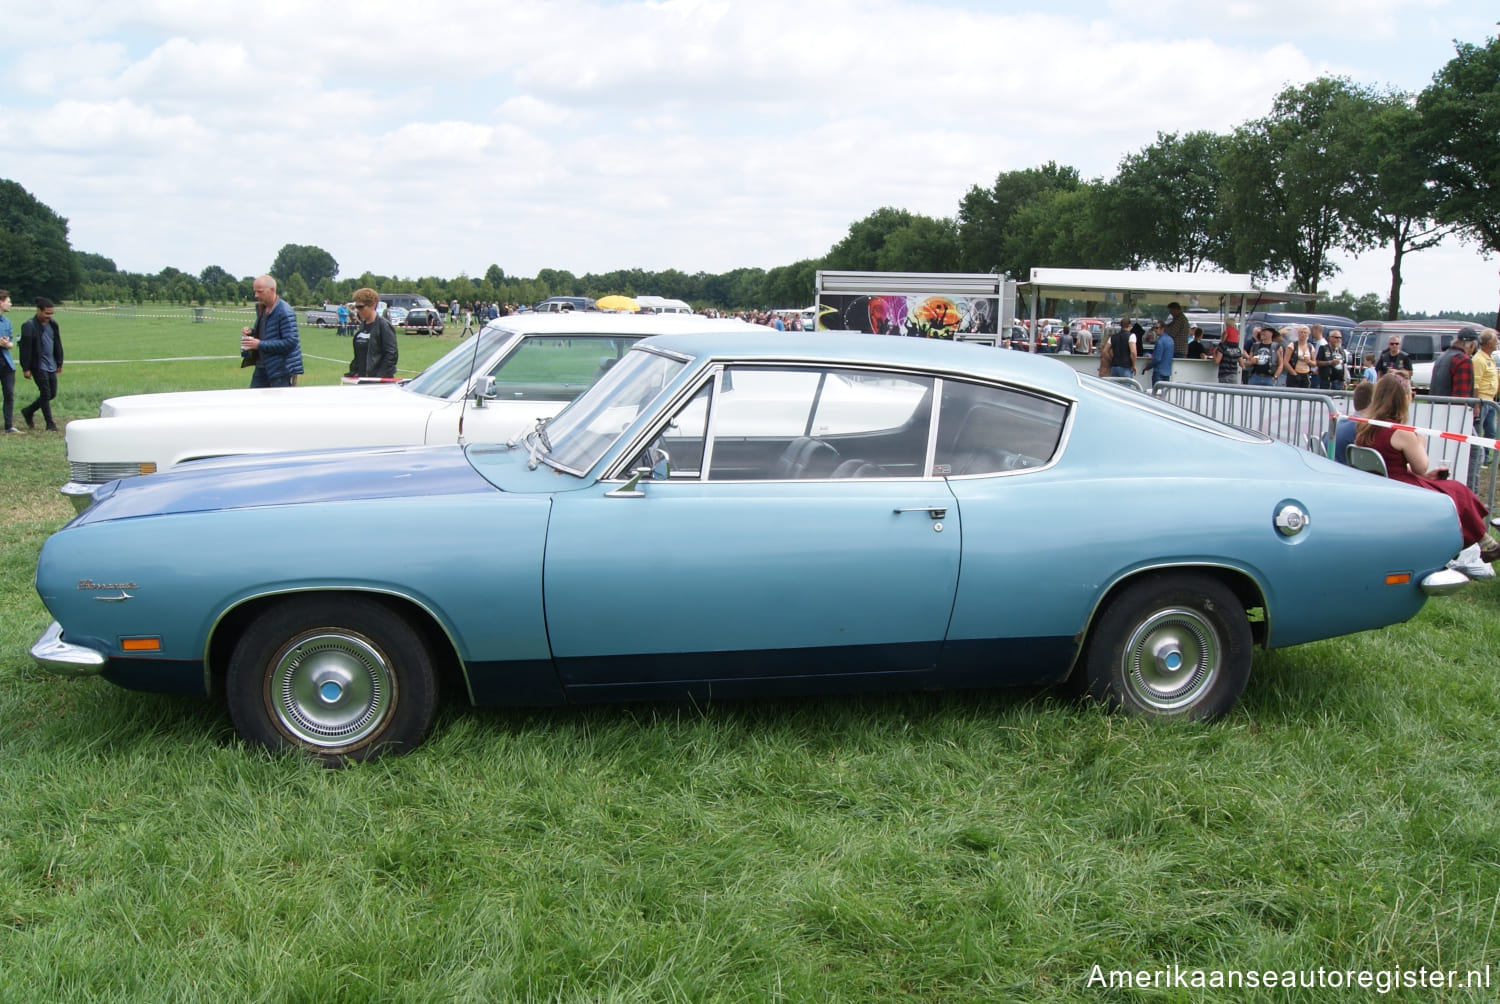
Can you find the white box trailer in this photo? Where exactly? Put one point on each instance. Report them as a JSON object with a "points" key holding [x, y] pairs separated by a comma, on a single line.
{"points": [[963, 306]]}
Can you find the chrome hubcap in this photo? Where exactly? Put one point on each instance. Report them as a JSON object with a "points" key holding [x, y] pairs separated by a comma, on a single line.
{"points": [[1172, 658], [331, 689]]}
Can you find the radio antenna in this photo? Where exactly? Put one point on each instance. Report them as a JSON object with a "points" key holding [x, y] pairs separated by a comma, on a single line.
{"points": [[469, 386]]}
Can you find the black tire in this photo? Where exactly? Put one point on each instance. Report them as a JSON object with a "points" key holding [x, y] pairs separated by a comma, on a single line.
{"points": [[343, 678], [1173, 645], [320, 323]]}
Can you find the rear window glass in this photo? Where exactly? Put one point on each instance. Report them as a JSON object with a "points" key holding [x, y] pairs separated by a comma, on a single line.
{"points": [[1138, 399]]}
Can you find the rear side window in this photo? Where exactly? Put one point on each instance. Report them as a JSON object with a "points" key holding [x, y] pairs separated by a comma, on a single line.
{"points": [[986, 430]]}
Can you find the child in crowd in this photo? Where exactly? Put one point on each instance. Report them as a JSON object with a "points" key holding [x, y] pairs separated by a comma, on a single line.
{"points": [[1368, 376]]}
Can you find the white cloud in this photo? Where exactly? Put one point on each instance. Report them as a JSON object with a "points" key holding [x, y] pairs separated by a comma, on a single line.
{"points": [[592, 135]]}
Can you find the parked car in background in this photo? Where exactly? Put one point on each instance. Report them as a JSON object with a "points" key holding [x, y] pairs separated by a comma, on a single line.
{"points": [[1014, 337], [320, 318], [422, 321], [1424, 341], [562, 304], [1210, 321], [518, 369], [746, 515], [406, 301], [1279, 320]]}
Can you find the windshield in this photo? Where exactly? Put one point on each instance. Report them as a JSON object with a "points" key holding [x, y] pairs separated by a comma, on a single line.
{"points": [[586, 429], [450, 374]]}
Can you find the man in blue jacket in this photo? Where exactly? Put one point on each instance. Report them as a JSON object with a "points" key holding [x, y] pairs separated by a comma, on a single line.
{"points": [[1161, 356], [271, 346]]}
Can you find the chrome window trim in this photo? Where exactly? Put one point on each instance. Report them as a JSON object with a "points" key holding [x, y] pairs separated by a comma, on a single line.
{"points": [[930, 459], [618, 472], [1070, 413]]}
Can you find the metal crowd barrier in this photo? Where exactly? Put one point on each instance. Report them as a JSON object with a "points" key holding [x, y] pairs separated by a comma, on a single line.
{"points": [[1303, 418], [1307, 419]]}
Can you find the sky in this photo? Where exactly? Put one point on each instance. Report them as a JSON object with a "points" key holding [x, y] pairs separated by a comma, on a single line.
{"points": [[440, 137]]}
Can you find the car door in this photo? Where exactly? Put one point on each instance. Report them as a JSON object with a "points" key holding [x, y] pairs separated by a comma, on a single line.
{"points": [[798, 544], [1023, 595]]}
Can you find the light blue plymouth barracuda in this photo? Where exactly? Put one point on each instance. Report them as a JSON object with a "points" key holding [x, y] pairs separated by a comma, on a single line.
{"points": [[728, 515]]}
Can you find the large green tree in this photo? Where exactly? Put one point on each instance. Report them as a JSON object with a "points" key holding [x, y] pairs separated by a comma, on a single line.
{"points": [[1296, 187], [307, 260], [1461, 119], [789, 285], [860, 249], [1406, 205], [1062, 229], [1163, 205], [35, 258], [215, 275], [985, 214], [923, 245]]}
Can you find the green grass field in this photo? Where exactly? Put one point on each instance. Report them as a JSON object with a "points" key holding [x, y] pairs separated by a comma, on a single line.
{"points": [[989, 846]]}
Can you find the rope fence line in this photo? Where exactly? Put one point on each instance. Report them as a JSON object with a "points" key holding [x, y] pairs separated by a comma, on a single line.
{"points": [[194, 315], [199, 359]]}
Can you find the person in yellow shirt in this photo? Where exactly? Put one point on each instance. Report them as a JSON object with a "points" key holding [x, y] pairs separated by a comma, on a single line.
{"points": [[1486, 381]]}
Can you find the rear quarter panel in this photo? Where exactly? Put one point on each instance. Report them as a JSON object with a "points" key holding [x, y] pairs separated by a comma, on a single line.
{"points": [[1133, 492]]}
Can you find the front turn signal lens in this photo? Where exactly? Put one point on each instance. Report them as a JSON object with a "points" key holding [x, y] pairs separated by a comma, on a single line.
{"points": [[1397, 578]]}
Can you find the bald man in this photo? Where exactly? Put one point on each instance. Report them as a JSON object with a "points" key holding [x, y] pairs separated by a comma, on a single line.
{"points": [[271, 345]]}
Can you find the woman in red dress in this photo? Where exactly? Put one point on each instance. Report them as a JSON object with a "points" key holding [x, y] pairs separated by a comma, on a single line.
{"points": [[1405, 456]]}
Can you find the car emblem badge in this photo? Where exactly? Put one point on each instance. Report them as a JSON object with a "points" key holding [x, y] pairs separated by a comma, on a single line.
{"points": [[89, 585]]}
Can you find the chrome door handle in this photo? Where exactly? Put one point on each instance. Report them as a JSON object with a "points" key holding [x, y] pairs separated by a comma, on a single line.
{"points": [[935, 511]]}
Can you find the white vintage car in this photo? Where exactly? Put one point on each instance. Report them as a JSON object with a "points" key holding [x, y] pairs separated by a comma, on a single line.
{"points": [[489, 388]]}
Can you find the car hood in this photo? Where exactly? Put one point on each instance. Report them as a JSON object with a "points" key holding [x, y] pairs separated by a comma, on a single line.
{"points": [[265, 400], [289, 479]]}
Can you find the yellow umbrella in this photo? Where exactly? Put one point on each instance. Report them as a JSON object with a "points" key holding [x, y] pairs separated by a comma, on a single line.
{"points": [[617, 302]]}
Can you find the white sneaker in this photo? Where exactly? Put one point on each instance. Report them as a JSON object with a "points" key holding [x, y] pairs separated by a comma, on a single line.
{"points": [[1471, 564]]}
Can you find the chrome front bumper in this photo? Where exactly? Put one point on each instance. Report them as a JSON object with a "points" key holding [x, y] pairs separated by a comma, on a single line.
{"points": [[57, 656], [81, 495]]}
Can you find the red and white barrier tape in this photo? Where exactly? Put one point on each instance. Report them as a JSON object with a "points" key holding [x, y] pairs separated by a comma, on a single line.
{"points": [[1453, 437]]}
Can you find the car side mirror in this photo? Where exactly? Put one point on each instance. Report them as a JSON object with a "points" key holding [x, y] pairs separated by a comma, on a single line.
{"points": [[484, 389], [661, 463]]}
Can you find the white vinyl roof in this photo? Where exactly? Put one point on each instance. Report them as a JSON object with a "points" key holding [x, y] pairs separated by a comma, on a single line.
{"points": [[1233, 292]]}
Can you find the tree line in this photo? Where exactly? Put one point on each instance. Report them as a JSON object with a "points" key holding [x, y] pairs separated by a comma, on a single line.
{"points": [[1334, 166]]}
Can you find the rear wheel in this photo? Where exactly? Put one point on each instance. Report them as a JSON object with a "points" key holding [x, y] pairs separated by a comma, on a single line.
{"points": [[342, 678], [1174, 645]]}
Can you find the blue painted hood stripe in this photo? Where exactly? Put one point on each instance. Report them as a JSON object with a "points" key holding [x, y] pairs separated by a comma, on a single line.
{"points": [[289, 479]]}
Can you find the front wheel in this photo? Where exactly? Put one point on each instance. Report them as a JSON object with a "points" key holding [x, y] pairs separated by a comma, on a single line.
{"points": [[342, 678], [1173, 645]]}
